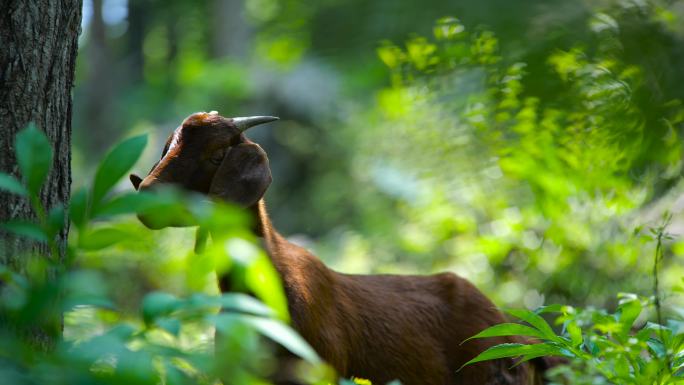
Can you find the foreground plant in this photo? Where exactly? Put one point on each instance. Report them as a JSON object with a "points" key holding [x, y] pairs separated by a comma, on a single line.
{"points": [[602, 347], [171, 341]]}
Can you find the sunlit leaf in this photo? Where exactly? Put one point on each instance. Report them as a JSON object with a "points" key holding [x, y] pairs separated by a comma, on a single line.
{"points": [[516, 350], [555, 308], [508, 329], [260, 276], [544, 350], [236, 302], [275, 330], [535, 320], [628, 312], [244, 303], [448, 28], [575, 333], [500, 351], [390, 54]]}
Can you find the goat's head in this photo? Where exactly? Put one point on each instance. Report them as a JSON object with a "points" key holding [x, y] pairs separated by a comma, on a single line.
{"points": [[209, 154]]}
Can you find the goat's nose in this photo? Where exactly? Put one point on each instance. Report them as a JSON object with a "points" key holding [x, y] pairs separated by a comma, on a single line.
{"points": [[135, 180]]}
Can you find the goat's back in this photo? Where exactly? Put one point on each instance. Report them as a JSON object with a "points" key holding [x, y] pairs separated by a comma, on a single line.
{"points": [[411, 328]]}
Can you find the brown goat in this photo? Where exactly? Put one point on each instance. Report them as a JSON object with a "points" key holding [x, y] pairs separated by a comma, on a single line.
{"points": [[378, 327]]}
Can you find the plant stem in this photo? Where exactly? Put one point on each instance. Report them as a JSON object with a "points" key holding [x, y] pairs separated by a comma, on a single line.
{"points": [[656, 289], [200, 239]]}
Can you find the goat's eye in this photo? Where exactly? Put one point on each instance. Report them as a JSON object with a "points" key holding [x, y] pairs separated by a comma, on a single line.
{"points": [[217, 156]]}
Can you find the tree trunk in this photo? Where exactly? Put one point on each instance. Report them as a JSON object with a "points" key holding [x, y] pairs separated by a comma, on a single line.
{"points": [[138, 19], [99, 88], [231, 35], [38, 43]]}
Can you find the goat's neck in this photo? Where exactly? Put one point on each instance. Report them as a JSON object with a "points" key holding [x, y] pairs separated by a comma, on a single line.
{"points": [[263, 227], [309, 285], [295, 264]]}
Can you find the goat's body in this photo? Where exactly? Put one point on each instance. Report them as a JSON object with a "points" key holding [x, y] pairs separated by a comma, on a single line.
{"points": [[386, 327]]}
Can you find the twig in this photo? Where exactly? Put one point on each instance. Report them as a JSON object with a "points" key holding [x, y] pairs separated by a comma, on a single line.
{"points": [[660, 235]]}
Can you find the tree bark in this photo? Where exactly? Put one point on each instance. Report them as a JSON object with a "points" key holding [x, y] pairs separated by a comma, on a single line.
{"points": [[38, 45]]}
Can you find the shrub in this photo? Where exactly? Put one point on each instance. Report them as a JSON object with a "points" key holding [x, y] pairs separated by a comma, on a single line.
{"points": [[170, 340]]}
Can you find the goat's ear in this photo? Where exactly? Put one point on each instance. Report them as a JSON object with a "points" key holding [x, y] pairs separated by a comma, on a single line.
{"points": [[135, 180], [243, 176]]}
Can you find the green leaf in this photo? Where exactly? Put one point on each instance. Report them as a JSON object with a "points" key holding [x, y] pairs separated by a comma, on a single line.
{"points": [[516, 350], [101, 238], [34, 156], [593, 348], [448, 28], [84, 287], [575, 333], [508, 329], [555, 308], [231, 301], [264, 281], [128, 203], [158, 304], [499, 351], [244, 303], [11, 184], [26, 229], [535, 320], [621, 367], [55, 220], [116, 164], [171, 325], [543, 350], [255, 270], [273, 329], [137, 367], [78, 207], [174, 376], [656, 347], [628, 312]]}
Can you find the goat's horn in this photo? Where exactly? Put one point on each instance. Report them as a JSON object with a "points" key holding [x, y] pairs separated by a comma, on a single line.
{"points": [[244, 123]]}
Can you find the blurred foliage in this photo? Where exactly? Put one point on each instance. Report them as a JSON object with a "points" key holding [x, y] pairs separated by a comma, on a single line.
{"points": [[531, 190], [522, 146], [171, 339]]}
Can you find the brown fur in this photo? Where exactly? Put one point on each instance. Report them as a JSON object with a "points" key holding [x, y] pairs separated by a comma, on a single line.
{"points": [[378, 327]]}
